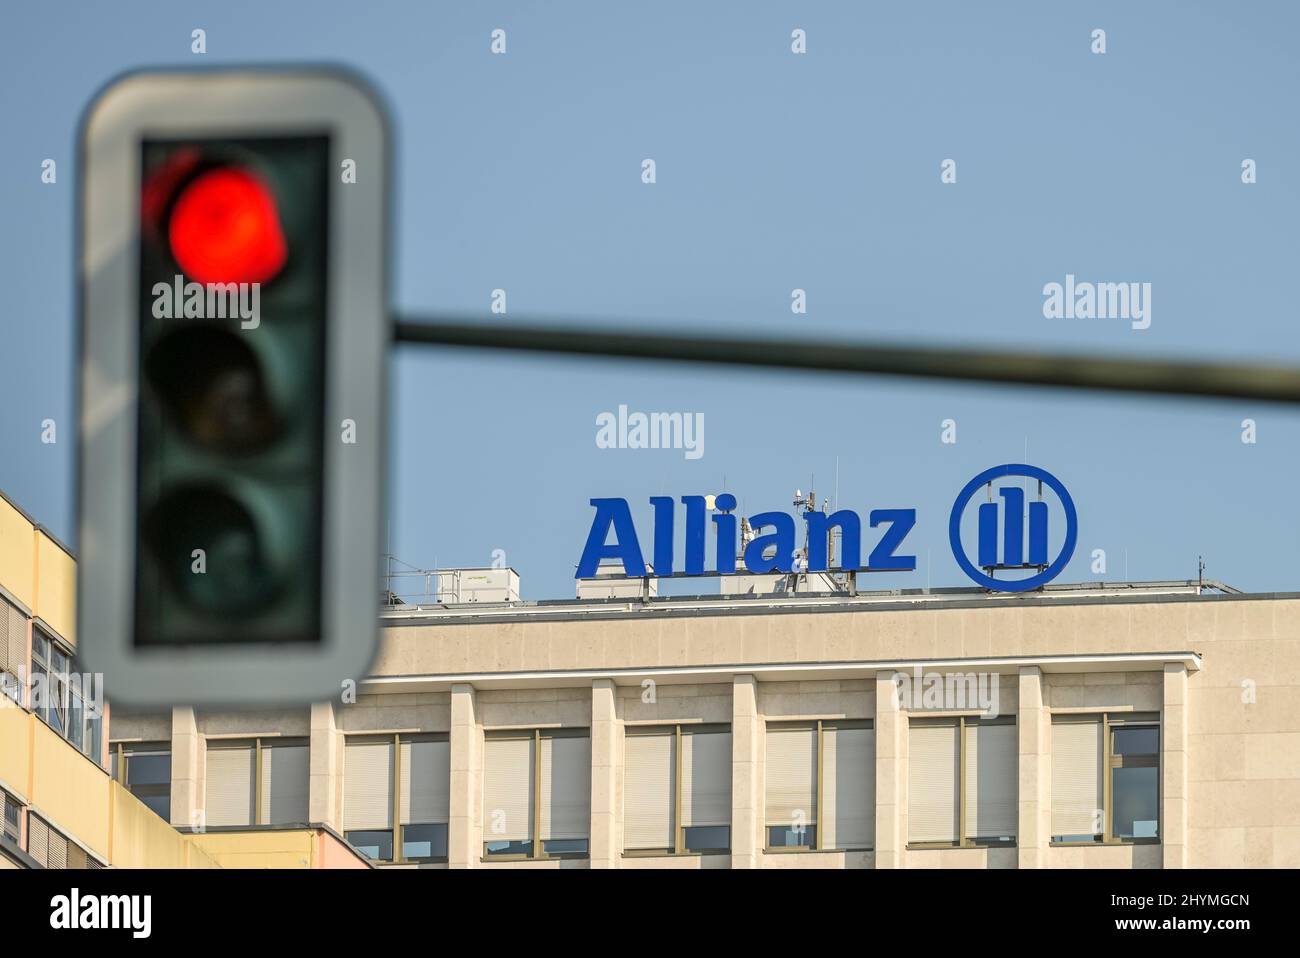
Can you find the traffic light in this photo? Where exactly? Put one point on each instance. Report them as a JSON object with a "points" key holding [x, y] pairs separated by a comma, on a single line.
{"points": [[234, 334]]}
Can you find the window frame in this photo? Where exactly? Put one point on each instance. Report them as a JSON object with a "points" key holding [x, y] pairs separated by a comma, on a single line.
{"points": [[9, 800], [45, 645], [962, 723], [538, 852], [13, 675], [1110, 721], [255, 743], [819, 787], [395, 832], [119, 757], [679, 848]]}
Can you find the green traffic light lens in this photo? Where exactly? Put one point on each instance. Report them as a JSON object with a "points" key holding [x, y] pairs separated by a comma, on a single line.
{"points": [[214, 387]]}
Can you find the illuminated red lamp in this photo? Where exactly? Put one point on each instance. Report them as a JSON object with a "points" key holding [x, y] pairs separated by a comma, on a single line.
{"points": [[225, 229]]}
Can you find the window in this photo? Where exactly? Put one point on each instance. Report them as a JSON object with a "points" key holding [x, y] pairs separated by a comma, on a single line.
{"points": [[52, 849], [1106, 778], [658, 816], [424, 769], [262, 782], [145, 770], [285, 783], [536, 794], [10, 816], [62, 696], [821, 785], [962, 782], [13, 651], [421, 765]]}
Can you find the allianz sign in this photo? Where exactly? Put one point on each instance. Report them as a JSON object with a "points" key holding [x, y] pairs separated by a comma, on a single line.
{"points": [[773, 546]]}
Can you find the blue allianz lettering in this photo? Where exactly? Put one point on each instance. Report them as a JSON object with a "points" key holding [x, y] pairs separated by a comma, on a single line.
{"points": [[771, 550]]}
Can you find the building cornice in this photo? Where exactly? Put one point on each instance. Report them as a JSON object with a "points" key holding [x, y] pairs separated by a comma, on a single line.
{"points": [[781, 671]]}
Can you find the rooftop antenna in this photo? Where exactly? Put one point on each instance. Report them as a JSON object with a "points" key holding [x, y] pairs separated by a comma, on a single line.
{"points": [[1200, 574], [746, 536], [835, 534]]}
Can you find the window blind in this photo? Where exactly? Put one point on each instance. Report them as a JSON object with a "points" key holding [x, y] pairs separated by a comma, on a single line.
{"points": [[285, 780], [791, 789], [706, 778], [13, 641], [228, 795], [648, 790], [38, 839], [992, 763], [932, 783], [849, 790], [426, 783], [507, 789], [58, 854], [566, 787], [1077, 778], [367, 785]]}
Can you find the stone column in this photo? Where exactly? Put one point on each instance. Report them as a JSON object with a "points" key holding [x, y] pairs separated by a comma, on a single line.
{"points": [[1173, 766], [188, 757], [464, 828], [1033, 826], [605, 851], [890, 725], [326, 775], [746, 802]]}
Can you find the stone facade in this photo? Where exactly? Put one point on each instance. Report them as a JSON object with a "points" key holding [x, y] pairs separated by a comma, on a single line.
{"points": [[1222, 672]]}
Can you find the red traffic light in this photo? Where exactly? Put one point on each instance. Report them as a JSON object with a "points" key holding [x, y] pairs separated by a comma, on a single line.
{"points": [[225, 228]]}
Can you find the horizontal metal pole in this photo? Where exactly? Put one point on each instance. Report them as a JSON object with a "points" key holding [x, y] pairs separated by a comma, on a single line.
{"points": [[1001, 367]]}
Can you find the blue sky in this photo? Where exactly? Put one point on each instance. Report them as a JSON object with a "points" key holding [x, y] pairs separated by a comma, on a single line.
{"points": [[774, 171]]}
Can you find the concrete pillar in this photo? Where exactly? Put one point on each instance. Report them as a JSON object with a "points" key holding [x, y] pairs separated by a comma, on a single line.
{"points": [[746, 800], [1173, 766], [605, 736], [464, 827], [890, 726], [324, 796], [189, 755], [1033, 826]]}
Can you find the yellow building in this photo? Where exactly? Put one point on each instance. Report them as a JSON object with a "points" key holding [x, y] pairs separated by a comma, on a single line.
{"points": [[67, 800]]}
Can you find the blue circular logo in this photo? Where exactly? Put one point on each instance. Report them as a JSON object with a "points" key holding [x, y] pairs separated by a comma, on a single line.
{"points": [[977, 574]]}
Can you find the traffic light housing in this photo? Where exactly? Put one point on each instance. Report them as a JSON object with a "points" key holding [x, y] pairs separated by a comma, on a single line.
{"points": [[234, 342]]}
